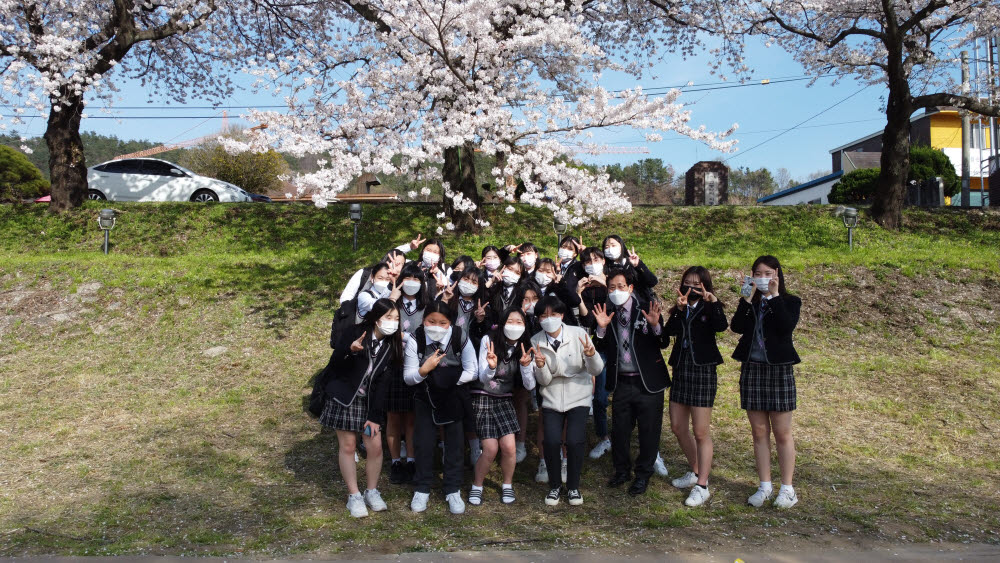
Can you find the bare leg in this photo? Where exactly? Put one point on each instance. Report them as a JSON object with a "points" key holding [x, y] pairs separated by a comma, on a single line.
{"points": [[680, 416], [701, 419], [346, 444], [781, 425], [393, 430], [373, 463], [508, 458], [485, 461], [760, 428]]}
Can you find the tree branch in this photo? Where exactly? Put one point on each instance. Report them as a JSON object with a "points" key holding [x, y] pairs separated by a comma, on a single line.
{"points": [[974, 105]]}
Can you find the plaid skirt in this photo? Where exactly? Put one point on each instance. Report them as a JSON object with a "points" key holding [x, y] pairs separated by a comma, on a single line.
{"points": [[495, 416], [767, 387], [693, 385], [399, 395], [351, 418]]}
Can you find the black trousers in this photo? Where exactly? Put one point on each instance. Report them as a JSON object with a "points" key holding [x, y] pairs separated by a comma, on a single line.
{"points": [[425, 438], [631, 404], [576, 440]]}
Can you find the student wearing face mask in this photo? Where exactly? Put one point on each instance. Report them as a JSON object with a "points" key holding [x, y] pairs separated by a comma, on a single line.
{"points": [[566, 362], [593, 289], [528, 254], [631, 335], [767, 375], [362, 279], [548, 278], [436, 363], [490, 264], [413, 298], [506, 290], [503, 360], [617, 255], [693, 322], [569, 267], [380, 288], [362, 364], [432, 262]]}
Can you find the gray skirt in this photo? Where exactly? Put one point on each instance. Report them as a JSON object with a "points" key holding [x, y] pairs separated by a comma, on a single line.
{"points": [[767, 387], [693, 385], [495, 416], [351, 418]]}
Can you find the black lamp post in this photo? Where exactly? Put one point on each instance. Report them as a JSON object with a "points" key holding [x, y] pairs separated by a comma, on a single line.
{"points": [[355, 214], [850, 221], [106, 220], [560, 229]]}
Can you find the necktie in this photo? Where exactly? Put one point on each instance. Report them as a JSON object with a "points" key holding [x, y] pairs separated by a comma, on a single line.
{"points": [[555, 345]]}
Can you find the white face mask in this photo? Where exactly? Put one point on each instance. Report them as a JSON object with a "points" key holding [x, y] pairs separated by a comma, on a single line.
{"points": [[380, 287], [431, 259], [762, 284], [492, 265], [543, 279], [388, 327], [510, 278], [436, 333], [551, 324], [411, 287], [612, 253], [467, 289], [619, 297], [513, 331], [529, 261], [565, 254], [594, 269], [528, 307]]}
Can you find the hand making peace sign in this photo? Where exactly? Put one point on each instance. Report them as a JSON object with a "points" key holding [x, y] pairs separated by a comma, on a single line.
{"points": [[431, 362], [682, 299], [588, 347], [481, 310], [526, 356], [491, 357], [633, 258], [415, 243], [359, 344]]}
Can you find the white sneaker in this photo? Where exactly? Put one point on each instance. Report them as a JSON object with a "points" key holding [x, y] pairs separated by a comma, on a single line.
{"points": [[356, 504], [419, 502], [564, 471], [356, 458], [543, 474], [602, 447], [687, 481], [475, 496], [757, 499], [698, 496], [474, 455], [374, 500], [659, 466], [521, 452], [455, 503], [402, 449], [786, 499]]}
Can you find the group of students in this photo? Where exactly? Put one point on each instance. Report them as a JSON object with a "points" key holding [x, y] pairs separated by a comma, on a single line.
{"points": [[446, 355]]}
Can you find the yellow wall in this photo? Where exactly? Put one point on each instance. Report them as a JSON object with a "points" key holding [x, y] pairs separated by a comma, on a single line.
{"points": [[946, 130]]}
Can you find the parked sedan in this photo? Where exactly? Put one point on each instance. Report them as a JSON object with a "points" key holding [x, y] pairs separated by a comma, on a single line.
{"points": [[152, 179]]}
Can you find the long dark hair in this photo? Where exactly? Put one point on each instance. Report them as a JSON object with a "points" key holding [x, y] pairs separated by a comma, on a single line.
{"points": [[479, 295], [624, 252], [441, 256], [497, 337], [770, 262], [413, 270], [395, 340], [466, 262], [703, 275], [440, 307], [488, 248]]}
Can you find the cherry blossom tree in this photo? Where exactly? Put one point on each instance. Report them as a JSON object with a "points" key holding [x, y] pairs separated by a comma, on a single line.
{"points": [[407, 84], [910, 46], [56, 53]]}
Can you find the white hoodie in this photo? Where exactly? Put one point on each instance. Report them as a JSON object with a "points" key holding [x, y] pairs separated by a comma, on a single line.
{"points": [[566, 378]]}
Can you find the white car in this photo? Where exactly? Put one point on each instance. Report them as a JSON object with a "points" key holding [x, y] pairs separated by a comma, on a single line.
{"points": [[152, 179]]}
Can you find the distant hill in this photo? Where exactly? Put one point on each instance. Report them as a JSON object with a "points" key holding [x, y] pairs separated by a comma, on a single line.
{"points": [[96, 149]]}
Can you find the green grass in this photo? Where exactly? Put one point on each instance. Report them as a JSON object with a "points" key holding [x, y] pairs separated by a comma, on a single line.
{"points": [[122, 437]]}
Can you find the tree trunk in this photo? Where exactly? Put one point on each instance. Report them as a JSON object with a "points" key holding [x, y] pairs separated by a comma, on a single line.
{"points": [[67, 166], [887, 205], [460, 172]]}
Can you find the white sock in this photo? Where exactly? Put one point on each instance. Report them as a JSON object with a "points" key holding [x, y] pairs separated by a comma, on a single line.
{"points": [[475, 488], [474, 444], [508, 486], [395, 459], [409, 459], [766, 486], [789, 488]]}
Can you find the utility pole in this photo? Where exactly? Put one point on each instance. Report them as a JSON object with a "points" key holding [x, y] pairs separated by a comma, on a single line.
{"points": [[966, 136]]}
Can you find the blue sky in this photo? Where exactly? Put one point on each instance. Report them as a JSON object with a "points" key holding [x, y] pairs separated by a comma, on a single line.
{"points": [[761, 111]]}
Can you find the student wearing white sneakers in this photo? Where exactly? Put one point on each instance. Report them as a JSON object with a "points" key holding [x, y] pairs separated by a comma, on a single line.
{"points": [[363, 360], [503, 360], [767, 376], [694, 320]]}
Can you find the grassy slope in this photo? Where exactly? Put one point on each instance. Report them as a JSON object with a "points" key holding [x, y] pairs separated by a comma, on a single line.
{"points": [[125, 438]]}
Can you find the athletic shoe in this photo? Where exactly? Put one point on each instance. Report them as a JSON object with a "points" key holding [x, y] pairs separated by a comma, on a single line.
{"points": [[419, 502], [543, 474], [575, 498], [686, 481], [786, 499], [411, 470], [356, 504], [602, 447], [455, 503], [521, 452], [659, 466], [757, 499], [374, 500], [507, 495], [475, 496], [698, 496], [564, 471], [552, 499], [397, 473]]}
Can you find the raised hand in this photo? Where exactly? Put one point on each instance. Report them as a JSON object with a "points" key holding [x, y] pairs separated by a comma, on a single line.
{"points": [[359, 344], [526, 355], [396, 292], [415, 243], [708, 296], [653, 316], [588, 347], [772, 287], [601, 315], [682, 299], [539, 357], [491, 357], [448, 292], [481, 310], [431, 362]]}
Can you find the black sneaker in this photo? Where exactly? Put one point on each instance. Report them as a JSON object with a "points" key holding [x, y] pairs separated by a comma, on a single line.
{"points": [[575, 498], [397, 473], [411, 470], [552, 499]]}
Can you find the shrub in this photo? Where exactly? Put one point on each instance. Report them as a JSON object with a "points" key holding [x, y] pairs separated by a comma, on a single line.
{"points": [[19, 178]]}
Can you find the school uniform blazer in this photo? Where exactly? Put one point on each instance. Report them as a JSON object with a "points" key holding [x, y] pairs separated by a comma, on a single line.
{"points": [[699, 330], [348, 370], [780, 318], [647, 344], [590, 297], [645, 280], [565, 379], [562, 293]]}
